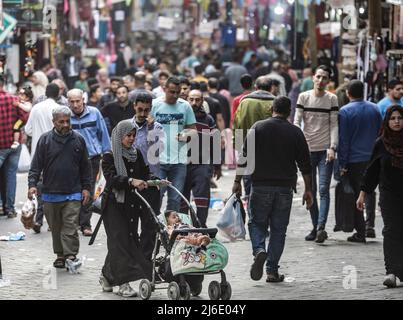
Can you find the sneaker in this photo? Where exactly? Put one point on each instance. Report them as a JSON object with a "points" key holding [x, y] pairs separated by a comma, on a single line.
{"points": [[12, 214], [72, 265], [337, 228], [274, 277], [390, 281], [256, 271], [370, 233], [322, 236], [356, 238], [126, 291], [37, 228], [106, 287], [311, 236]]}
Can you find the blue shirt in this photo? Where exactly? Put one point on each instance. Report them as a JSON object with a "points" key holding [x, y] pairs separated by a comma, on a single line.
{"points": [[385, 103], [173, 119], [53, 197], [146, 138], [359, 126], [91, 125]]}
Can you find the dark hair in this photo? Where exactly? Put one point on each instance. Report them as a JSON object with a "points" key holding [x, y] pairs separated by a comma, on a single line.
{"points": [[93, 89], [184, 80], [274, 82], [2, 80], [163, 74], [174, 80], [140, 77], [203, 86], [356, 89], [52, 91], [167, 213], [393, 83], [263, 83], [324, 68], [116, 79], [282, 105], [44, 63], [122, 86], [92, 81], [224, 83], [194, 85], [246, 81], [213, 83], [28, 92], [144, 97], [132, 61], [198, 69]]}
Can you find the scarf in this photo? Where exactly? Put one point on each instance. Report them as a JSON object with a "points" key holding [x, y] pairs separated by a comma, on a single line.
{"points": [[119, 152], [393, 140]]}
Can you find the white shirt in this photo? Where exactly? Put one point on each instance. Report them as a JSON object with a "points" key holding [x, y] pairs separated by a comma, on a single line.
{"points": [[40, 121]]}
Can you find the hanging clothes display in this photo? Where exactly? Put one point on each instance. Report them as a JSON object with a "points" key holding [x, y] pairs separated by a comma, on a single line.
{"points": [[228, 35]]}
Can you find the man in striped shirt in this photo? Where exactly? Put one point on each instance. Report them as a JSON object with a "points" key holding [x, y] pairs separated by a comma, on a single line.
{"points": [[318, 110]]}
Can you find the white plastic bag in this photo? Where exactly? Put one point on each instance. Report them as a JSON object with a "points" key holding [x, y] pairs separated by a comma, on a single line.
{"points": [[231, 223], [25, 159], [28, 212]]}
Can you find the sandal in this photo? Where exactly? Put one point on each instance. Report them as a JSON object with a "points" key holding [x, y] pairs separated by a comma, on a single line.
{"points": [[59, 263]]}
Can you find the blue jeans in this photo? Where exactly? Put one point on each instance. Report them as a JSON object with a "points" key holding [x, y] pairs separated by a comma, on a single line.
{"points": [[269, 207], [9, 161], [176, 173], [318, 161]]}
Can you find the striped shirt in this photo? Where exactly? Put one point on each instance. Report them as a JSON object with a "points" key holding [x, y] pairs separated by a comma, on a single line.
{"points": [[320, 118]]}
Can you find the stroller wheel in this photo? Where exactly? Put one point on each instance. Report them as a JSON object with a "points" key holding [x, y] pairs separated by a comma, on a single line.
{"points": [[226, 291], [214, 290], [145, 289], [185, 291], [173, 291], [196, 289]]}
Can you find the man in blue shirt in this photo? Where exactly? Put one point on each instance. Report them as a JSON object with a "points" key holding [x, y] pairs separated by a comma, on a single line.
{"points": [[89, 122], [179, 123], [359, 125], [394, 97]]}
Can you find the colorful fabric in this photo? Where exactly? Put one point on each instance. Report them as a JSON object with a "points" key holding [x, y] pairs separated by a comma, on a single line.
{"points": [[186, 258]]}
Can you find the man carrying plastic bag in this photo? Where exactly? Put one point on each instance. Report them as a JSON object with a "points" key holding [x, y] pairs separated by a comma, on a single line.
{"points": [[232, 220]]}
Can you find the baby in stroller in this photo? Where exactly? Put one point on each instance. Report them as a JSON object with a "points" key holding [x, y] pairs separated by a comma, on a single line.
{"points": [[174, 222]]}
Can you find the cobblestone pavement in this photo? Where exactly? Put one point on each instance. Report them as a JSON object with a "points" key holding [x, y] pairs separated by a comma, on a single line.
{"points": [[312, 271]]}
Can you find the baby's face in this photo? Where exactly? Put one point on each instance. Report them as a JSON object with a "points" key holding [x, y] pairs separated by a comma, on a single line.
{"points": [[173, 218]]}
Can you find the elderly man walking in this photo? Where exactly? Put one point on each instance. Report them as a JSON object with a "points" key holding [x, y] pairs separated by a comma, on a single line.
{"points": [[61, 156], [89, 122]]}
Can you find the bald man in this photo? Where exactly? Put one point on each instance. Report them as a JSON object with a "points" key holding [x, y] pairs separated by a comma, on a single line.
{"points": [[199, 169], [89, 122]]}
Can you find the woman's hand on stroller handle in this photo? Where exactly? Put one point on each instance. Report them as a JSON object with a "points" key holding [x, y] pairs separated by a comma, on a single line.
{"points": [[138, 184], [158, 183]]}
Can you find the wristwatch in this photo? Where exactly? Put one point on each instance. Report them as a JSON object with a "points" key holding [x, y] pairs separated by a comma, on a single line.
{"points": [[130, 181]]}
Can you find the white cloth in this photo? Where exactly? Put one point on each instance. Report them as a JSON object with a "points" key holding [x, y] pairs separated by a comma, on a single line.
{"points": [[40, 121]]}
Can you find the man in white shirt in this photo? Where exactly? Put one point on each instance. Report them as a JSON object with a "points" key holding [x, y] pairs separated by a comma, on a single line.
{"points": [[39, 122]]}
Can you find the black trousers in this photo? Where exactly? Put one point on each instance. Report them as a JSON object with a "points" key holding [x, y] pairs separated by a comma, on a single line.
{"points": [[370, 207], [392, 215], [355, 174]]}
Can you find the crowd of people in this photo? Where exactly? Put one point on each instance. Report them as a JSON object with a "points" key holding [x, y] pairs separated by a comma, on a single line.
{"points": [[143, 125]]}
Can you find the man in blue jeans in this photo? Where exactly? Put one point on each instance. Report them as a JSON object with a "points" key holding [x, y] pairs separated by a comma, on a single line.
{"points": [[179, 123], [273, 181], [9, 156], [318, 110]]}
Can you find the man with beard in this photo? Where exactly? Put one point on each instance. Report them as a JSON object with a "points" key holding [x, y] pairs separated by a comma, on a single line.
{"points": [[120, 109]]}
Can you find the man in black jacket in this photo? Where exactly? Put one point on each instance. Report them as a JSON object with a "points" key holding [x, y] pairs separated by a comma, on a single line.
{"points": [[61, 155], [273, 180]]}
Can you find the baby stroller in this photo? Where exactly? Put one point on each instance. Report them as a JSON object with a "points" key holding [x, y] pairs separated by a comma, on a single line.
{"points": [[182, 266]]}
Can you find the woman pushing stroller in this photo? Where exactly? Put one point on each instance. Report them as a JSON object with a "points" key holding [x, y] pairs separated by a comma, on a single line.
{"points": [[127, 259]]}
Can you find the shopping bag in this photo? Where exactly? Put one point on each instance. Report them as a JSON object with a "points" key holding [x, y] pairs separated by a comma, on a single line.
{"points": [[24, 162], [345, 204], [28, 212], [99, 189], [232, 220]]}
